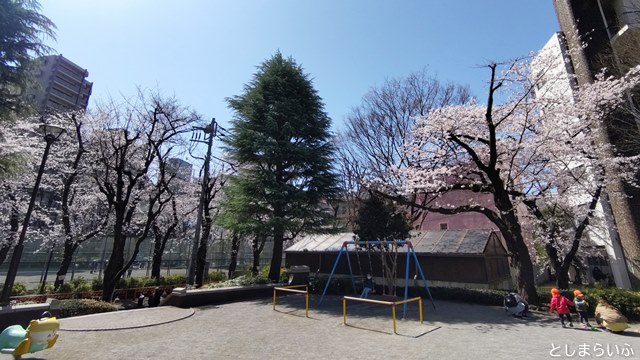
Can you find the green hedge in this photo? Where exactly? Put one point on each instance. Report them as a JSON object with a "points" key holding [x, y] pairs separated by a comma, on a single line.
{"points": [[627, 301], [476, 296], [77, 307]]}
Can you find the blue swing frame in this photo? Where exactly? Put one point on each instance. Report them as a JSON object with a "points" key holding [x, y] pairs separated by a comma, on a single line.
{"points": [[410, 252]]}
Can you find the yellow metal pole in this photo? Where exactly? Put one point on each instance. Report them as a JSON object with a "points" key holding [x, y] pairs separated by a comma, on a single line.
{"points": [[420, 304], [393, 313], [274, 298], [344, 311], [306, 303]]}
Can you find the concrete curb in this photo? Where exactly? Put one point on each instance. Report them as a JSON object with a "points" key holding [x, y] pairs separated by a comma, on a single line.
{"points": [[126, 319]]}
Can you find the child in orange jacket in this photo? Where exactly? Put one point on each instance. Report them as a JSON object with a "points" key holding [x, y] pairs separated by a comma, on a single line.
{"points": [[560, 305]]}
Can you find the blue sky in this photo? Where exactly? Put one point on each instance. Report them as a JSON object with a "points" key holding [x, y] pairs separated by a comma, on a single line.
{"points": [[204, 51]]}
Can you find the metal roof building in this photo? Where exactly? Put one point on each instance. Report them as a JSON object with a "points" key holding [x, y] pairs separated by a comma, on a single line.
{"points": [[457, 258]]}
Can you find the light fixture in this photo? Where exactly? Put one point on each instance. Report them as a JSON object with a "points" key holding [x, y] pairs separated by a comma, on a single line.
{"points": [[51, 131]]}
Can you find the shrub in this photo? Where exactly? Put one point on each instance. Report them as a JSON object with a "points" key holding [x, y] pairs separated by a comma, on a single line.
{"points": [[216, 276], [132, 283], [96, 284], [19, 289], [476, 296], [244, 280], [172, 280], [284, 275], [263, 271], [65, 288], [77, 307], [80, 285], [76, 286], [48, 288], [627, 301]]}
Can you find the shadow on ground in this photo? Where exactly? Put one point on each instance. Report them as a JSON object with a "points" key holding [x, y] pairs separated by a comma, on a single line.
{"points": [[445, 312]]}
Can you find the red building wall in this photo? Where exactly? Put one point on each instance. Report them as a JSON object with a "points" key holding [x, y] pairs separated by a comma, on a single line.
{"points": [[462, 221]]}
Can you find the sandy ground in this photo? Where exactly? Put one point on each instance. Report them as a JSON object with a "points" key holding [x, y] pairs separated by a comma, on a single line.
{"points": [[253, 330]]}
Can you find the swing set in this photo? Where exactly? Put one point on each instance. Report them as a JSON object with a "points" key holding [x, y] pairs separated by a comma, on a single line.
{"points": [[410, 253]]}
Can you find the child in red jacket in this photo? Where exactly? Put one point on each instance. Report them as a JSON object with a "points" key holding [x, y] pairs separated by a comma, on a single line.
{"points": [[560, 304]]}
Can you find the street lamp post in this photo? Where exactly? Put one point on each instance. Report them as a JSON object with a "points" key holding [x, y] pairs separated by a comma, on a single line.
{"points": [[51, 134], [46, 271]]}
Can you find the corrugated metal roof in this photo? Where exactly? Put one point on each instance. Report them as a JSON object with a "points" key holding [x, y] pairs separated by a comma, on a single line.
{"points": [[451, 241], [321, 242], [435, 242]]}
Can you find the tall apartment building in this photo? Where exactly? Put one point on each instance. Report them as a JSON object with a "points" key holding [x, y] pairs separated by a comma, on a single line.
{"points": [[60, 85], [558, 82], [611, 29]]}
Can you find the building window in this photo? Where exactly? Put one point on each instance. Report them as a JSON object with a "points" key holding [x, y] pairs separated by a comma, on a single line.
{"points": [[444, 226]]}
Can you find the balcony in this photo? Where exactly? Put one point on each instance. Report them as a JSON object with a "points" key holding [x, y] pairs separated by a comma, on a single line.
{"points": [[62, 99], [68, 76], [65, 86]]}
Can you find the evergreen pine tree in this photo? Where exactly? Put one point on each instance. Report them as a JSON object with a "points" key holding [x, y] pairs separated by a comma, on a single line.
{"points": [[281, 141]]}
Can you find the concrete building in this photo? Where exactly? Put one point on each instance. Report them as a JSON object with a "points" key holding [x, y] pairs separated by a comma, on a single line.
{"points": [[558, 82], [611, 29], [60, 85]]}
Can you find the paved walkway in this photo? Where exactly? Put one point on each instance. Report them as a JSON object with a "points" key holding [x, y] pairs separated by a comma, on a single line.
{"points": [[252, 330]]}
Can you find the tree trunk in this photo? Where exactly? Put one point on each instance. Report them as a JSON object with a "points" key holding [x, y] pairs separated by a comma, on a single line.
{"points": [[235, 247], [562, 279], [562, 276], [67, 258], [276, 259], [563, 272], [255, 266], [525, 282], [512, 231], [160, 241], [257, 246], [116, 260], [577, 265], [158, 249]]}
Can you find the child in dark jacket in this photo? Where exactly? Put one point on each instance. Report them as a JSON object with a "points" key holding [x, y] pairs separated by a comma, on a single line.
{"points": [[560, 305], [582, 307], [368, 287]]}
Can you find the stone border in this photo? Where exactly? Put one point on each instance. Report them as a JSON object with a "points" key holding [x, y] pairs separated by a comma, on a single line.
{"points": [[183, 298], [125, 319]]}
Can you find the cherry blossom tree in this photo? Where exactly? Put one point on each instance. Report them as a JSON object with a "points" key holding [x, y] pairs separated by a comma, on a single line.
{"points": [[173, 221], [131, 145], [84, 213], [520, 149], [23, 143]]}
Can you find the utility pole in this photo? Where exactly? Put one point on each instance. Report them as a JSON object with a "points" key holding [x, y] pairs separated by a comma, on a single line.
{"points": [[210, 132]]}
